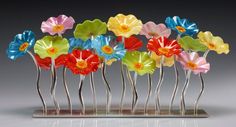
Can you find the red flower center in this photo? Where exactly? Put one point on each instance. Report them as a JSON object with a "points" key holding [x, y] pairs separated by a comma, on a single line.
{"points": [[191, 65], [180, 29], [24, 46], [58, 28], [107, 49], [164, 50], [52, 50], [81, 64], [138, 66]]}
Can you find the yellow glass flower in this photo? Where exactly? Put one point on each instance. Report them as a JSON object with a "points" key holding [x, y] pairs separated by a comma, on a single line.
{"points": [[214, 43], [168, 61], [124, 25]]}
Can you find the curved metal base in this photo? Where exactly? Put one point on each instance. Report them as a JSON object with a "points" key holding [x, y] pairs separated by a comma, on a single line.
{"points": [[116, 113]]}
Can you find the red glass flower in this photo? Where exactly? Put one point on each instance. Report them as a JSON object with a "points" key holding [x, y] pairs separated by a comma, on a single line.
{"points": [[164, 46], [132, 43], [82, 62], [46, 62]]}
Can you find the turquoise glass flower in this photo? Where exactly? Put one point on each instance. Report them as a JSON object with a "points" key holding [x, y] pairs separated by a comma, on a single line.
{"points": [[108, 48], [21, 44], [182, 26], [79, 44]]}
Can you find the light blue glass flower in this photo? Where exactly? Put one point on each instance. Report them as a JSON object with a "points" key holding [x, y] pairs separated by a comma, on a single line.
{"points": [[108, 48], [79, 44], [21, 44], [182, 26]]}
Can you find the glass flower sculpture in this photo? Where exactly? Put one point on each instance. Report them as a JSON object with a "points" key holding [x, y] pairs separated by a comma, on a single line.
{"points": [[90, 29], [124, 25], [190, 44], [57, 25], [79, 44], [131, 43], [181, 26], [46, 63], [21, 44], [168, 61], [150, 30]]}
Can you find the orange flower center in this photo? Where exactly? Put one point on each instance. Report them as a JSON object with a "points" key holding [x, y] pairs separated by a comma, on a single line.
{"points": [[211, 46], [81, 64], [24, 46], [107, 49], [191, 65], [163, 50], [138, 66], [180, 29], [58, 28], [52, 51], [124, 28]]}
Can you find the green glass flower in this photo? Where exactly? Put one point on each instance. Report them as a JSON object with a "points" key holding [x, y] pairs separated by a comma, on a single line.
{"points": [[90, 28], [140, 62], [188, 43], [51, 46]]}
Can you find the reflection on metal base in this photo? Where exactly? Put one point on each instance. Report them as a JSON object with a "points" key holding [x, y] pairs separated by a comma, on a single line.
{"points": [[116, 113]]}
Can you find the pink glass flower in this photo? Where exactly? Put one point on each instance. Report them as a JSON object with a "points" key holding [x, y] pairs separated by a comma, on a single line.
{"points": [[57, 25], [150, 30], [192, 61]]}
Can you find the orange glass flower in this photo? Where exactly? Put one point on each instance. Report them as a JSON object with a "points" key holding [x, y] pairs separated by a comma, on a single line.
{"points": [[132, 43], [82, 62], [164, 46], [46, 62]]}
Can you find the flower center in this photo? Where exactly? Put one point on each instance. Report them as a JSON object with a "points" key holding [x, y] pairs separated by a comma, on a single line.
{"points": [[81, 64], [163, 50], [180, 29], [153, 34], [191, 65], [107, 49], [58, 28], [211, 46], [52, 51], [124, 28], [24, 46], [138, 66]]}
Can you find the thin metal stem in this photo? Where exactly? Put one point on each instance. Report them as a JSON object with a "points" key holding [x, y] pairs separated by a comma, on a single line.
{"points": [[206, 53], [53, 86], [184, 92], [93, 91], [66, 89], [123, 86], [131, 85], [38, 69], [175, 88], [81, 82], [200, 94], [149, 92], [157, 91], [135, 91], [108, 88]]}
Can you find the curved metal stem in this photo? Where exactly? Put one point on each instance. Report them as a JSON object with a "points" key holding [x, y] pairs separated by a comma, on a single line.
{"points": [[108, 88], [131, 85], [81, 82], [135, 91], [38, 69], [175, 88], [66, 89], [157, 91], [123, 86], [149, 92], [184, 92], [200, 94], [93, 91], [53, 86]]}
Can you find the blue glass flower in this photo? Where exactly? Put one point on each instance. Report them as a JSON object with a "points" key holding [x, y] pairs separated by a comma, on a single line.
{"points": [[79, 44], [21, 44], [182, 26], [108, 48]]}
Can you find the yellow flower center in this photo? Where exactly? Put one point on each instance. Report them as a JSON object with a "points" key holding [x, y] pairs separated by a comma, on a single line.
{"points": [[24, 46], [191, 65], [107, 49], [211, 46], [58, 28], [52, 51], [163, 50], [180, 29], [81, 64], [124, 28], [138, 66]]}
